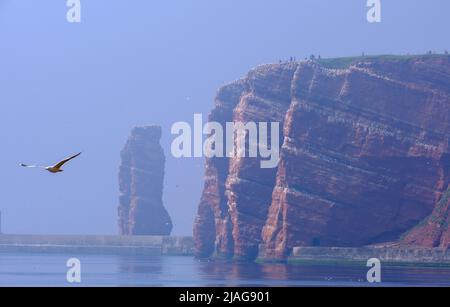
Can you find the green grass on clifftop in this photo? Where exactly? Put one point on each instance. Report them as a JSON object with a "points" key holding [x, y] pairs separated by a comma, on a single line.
{"points": [[345, 62]]}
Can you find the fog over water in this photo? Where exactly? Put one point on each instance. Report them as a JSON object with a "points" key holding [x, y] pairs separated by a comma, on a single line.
{"points": [[66, 87]]}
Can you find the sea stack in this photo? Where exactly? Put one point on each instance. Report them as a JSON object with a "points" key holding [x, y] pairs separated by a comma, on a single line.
{"points": [[141, 176]]}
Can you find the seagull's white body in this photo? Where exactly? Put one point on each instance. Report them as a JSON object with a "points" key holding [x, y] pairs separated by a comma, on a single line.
{"points": [[55, 168]]}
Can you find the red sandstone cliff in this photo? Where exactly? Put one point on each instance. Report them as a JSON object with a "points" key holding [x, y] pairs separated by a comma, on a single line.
{"points": [[141, 176], [365, 158], [226, 220]]}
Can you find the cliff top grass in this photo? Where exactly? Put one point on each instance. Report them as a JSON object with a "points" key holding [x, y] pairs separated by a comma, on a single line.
{"points": [[345, 62]]}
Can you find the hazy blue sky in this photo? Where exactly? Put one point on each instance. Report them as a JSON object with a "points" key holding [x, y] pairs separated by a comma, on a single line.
{"points": [[70, 87]]}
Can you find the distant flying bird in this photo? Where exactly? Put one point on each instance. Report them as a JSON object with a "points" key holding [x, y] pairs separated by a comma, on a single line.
{"points": [[55, 168]]}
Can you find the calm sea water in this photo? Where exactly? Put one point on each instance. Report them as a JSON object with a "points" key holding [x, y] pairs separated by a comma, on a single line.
{"points": [[50, 270]]}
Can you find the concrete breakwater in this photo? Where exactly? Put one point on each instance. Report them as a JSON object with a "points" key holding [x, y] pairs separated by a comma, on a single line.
{"points": [[97, 244], [167, 245], [393, 254]]}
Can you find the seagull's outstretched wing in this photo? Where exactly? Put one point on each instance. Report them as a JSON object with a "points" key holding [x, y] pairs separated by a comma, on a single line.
{"points": [[31, 166], [60, 164]]}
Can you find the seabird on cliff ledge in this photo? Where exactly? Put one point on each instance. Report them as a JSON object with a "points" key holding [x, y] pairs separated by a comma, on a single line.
{"points": [[55, 168]]}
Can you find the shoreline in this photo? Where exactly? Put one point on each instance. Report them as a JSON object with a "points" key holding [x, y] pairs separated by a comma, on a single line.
{"points": [[184, 246], [393, 255], [98, 244]]}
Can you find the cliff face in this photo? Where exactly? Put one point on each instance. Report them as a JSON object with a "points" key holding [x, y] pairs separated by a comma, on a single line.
{"points": [[141, 176], [364, 157], [235, 187]]}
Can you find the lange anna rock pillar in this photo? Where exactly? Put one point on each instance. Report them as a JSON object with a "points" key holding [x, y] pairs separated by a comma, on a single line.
{"points": [[141, 176]]}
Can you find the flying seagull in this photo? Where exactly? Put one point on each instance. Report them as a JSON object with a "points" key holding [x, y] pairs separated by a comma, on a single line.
{"points": [[55, 168]]}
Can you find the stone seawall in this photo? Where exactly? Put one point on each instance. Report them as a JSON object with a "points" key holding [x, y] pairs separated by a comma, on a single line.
{"points": [[94, 244], [184, 246], [386, 254]]}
